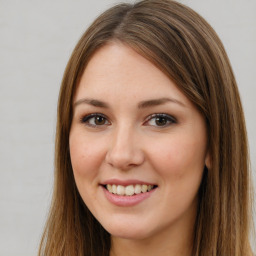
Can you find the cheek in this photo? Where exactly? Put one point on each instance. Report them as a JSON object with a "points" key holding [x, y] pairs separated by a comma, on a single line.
{"points": [[86, 155], [179, 157], [180, 163]]}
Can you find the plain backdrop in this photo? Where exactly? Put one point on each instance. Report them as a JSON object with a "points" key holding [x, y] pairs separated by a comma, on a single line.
{"points": [[36, 40]]}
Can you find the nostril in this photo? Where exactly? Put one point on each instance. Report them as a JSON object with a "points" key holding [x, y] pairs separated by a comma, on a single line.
{"points": [[124, 154]]}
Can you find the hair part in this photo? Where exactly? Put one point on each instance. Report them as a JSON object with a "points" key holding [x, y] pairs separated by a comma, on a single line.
{"points": [[185, 47]]}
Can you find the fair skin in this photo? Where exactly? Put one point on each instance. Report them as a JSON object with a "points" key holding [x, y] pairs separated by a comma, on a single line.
{"points": [[133, 126]]}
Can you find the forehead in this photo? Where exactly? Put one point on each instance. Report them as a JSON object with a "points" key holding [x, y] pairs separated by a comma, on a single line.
{"points": [[117, 71]]}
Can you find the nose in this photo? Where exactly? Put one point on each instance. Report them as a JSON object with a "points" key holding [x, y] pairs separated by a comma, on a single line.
{"points": [[124, 150]]}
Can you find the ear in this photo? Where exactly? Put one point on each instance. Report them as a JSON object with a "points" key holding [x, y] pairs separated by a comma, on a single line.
{"points": [[208, 160]]}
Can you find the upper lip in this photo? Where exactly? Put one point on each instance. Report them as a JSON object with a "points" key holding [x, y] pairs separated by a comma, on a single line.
{"points": [[126, 182]]}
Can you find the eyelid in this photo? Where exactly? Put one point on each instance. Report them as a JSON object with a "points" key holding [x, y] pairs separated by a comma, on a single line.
{"points": [[168, 117], [84, 119]]}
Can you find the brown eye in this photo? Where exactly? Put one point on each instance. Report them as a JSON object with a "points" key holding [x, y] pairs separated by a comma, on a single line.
{"points": [[95, 120], [160, 120], [99, 120]]}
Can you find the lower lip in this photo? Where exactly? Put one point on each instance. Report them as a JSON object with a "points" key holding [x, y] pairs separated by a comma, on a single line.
{"points": [[127, 200]]}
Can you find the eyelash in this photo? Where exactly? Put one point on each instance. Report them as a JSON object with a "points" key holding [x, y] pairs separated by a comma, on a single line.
{"points": [[165, 117], [87, 118], [169, 119]]}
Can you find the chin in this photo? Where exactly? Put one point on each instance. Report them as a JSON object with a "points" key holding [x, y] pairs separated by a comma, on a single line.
{"points": [[127, 231], [129, 234]]}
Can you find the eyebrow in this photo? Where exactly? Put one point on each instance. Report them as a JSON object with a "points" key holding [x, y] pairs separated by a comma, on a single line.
{"points": [[93, 102], [142, 104], [156, 102]]}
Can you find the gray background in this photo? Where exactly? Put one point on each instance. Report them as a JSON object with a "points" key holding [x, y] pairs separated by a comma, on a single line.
{"points": [[36, 40]]}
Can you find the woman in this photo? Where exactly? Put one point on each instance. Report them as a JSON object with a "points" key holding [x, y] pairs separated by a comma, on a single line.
{"points": [[151, 146]]}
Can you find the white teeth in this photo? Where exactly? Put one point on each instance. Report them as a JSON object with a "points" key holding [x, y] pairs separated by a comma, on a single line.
{"points": [[128, 190], [120, 190], [150, 187], [137, 189], [109, 188], [144, 188], [113, 189]]}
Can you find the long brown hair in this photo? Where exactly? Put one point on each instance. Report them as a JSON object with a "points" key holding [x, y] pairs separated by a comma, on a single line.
{"points": [[185, 47]]}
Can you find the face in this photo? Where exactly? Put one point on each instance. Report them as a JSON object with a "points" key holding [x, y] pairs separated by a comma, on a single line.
{"points": [[138, 146]]}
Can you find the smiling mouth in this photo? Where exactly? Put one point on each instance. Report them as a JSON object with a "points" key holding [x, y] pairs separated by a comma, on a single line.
{"points": [[129, 190]]}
